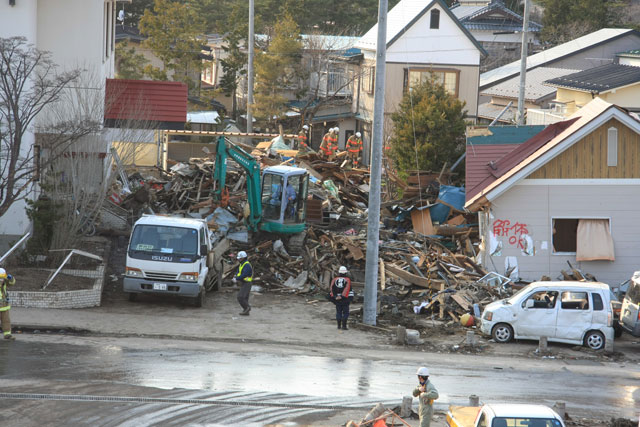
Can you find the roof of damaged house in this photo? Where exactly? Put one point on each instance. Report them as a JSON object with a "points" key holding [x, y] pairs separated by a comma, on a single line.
{"points": [[486, 145], [535, 88], [492, 16], [145, 100], [599, 79], [403, 16], [540, 149], [553, 54]]}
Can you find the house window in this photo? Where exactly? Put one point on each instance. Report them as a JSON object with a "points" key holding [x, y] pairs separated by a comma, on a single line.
{"points": [[612, 147], [367, 79], [435, 19], [588, 238], [448, 78]]}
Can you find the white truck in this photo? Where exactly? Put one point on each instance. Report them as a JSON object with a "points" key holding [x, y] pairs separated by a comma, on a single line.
{"points": [[172, 256], [503, 415]]}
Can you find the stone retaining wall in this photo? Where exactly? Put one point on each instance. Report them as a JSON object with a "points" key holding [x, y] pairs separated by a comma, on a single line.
{"points": [[67, 299]]}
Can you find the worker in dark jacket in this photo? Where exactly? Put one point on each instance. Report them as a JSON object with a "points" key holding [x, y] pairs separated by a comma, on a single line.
{"points": [[245, 277], [5, 320], [341, 294]]}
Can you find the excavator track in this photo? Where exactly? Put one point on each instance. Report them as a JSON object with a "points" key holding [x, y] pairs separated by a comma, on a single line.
{"points": [[295, 245]]}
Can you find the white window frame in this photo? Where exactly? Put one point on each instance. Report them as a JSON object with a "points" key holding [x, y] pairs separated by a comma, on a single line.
{"points": [[612, 146], [578, 217]]}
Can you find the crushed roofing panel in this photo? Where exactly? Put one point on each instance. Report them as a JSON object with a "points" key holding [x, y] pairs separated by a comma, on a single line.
{"points": [[599, 79], [534, 90], [553, 54], [491, 111]]}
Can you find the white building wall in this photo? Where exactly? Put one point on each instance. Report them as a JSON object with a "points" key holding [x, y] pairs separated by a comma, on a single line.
{"points": [[423, 45], [530, 206]]}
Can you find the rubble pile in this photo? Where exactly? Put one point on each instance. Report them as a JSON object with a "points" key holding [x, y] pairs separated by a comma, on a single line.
{"points": [[427, 242]]}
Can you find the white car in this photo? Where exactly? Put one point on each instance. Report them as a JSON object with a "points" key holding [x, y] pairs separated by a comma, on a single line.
{"points": [[503, 415], [569, 312]]}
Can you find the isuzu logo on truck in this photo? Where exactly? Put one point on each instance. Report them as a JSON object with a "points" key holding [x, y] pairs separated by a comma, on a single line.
{"points": [[161, 258]]}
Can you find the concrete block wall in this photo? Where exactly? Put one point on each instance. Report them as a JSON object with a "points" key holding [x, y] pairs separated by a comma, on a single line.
{"points": [[68, 299]]}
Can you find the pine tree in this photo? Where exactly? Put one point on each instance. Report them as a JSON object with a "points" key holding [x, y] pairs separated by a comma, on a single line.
{"points": [[429, 126]]}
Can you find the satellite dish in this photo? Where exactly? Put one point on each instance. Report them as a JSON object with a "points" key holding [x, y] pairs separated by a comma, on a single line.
{"points": [[121, 15]]}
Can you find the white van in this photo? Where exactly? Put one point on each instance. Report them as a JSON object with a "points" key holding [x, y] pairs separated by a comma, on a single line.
{"points": [[630, 311], [568, 312]]}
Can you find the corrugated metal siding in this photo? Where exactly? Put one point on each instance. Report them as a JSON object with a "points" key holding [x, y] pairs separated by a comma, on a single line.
{"points": [[587, 158], [146, 100], [535, 205]]}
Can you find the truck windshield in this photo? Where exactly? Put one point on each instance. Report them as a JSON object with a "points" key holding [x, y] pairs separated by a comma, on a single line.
{"points": [[524, 422], [164, 240]]}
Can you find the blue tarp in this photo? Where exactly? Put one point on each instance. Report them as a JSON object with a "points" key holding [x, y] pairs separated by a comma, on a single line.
{"points": [[448, 197]]}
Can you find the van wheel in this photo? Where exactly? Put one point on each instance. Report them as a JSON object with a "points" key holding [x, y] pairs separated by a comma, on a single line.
{"points": [[502, 333], [200, 298], [594, 340], [133, 297]]}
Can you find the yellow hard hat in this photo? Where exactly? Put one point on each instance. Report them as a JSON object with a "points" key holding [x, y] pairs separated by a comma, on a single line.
{"points": [[3, 273]]}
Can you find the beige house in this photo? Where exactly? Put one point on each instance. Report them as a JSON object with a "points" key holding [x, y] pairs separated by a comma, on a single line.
{"points": [[615, 83], [423, 37], [569, 193]]}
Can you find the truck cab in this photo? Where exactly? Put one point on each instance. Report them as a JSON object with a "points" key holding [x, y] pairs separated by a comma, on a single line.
{"points": [[169, 256], [284, 199]]}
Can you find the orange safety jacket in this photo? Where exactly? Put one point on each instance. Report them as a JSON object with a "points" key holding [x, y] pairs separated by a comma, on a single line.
{"points": [[302, 140], [327, 146], [354, 144]]}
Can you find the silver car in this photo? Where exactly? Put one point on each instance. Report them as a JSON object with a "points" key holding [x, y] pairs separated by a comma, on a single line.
{"points": [[630, 312]]}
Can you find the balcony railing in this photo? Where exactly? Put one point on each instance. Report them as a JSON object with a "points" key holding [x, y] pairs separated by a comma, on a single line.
{"points": [[331, 83], [543, 117]]}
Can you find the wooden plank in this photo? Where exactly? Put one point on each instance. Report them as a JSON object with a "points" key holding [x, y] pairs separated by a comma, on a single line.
{"points": [[383, 278], [461, 301], [355, 252], [409, 277]]}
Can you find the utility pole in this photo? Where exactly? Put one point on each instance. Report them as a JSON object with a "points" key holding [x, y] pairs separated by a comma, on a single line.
{"points": [[523, 63], [251, 43], [373, 224]]}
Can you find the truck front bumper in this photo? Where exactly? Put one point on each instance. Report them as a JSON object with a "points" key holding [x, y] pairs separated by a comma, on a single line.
{"points": [[185, 289]]}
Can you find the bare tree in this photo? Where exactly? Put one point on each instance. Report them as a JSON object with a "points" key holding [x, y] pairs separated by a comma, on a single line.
{"points": [[30, 82], [330, 79]]}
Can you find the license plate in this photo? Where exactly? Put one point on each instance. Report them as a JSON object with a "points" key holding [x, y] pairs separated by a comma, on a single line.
{"points": [[159, 286]]}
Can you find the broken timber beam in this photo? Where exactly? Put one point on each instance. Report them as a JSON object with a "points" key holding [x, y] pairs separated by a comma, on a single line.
{"points": [[411, 278]]}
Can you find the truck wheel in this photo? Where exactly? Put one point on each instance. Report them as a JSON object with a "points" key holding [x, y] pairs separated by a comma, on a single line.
{"points": [[594, 340], [200, 298], [133, 297], [502, 333]]}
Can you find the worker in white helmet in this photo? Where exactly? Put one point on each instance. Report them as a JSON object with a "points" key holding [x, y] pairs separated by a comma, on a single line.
{"points": [[426, 394], [303, 138], [5, 281], [244, 276], [329, 145], [341, 294], [354, 148]]}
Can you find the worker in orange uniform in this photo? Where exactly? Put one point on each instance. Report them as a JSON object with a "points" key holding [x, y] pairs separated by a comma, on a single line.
{"points": [[354, 148], [5, 320], [303, 139], [326, 147]]}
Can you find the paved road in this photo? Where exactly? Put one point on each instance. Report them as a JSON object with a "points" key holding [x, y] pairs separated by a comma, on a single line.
{"points": [[235, 383]]}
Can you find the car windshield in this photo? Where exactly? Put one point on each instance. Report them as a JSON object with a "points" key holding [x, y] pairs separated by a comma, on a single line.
{"points": [[516, 296], [525, 422], [164, 240]]}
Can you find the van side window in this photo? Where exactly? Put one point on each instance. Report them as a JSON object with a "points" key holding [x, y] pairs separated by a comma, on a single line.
{"points": [[598, 305], [543, 299], [574, 301], [202, 239]]}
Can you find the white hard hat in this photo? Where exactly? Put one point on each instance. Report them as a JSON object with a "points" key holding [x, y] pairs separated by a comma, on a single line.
{"points": [[330, 130], [423, 372], [3, 273], [343, 270], [336, 129], [358, 134], [305, 127], [241, 254]]}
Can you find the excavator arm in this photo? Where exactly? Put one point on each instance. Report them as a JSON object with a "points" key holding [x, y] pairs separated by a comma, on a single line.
{"points": [[225, 149]]}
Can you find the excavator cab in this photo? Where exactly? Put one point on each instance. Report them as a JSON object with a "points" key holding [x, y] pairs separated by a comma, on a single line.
{"points": [[284, 199]]}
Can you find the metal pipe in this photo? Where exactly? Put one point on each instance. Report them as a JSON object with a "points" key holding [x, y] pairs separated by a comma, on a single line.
{"points": [[373, 225], [251, 43], [523, 63]]}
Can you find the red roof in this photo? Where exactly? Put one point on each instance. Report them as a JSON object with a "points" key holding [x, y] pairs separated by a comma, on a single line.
{"points": [[158, 101], [500, 166], [477, 159]]}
